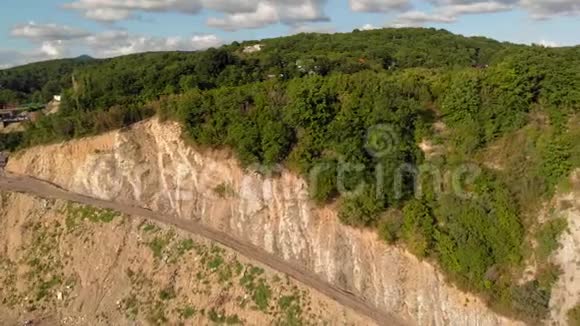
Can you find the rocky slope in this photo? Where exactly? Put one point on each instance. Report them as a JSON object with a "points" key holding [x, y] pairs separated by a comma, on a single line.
{"points": [[149, 165], [68, 264], [566, 292]]}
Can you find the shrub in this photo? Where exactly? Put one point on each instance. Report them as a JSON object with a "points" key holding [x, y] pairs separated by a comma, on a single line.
{"points": [[548, 236], [574, 316], [389, 228]]}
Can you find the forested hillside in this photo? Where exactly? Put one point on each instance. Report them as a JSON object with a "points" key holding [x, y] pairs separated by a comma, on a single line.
{"points": [[349, 112], [38, 82]]}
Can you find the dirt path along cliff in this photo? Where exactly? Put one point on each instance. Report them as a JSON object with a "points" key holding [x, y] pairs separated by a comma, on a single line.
{"points": [[44, 189]]}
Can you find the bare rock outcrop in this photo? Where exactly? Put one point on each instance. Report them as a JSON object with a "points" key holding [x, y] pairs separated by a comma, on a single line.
{"points": [[566, 292], [149, 165]]}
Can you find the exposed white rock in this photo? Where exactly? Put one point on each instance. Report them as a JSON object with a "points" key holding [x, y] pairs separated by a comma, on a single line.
{"points": [[149, 165]]}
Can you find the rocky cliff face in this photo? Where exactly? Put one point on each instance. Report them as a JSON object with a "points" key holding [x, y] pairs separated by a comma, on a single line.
{"points": [[566, 292], [69, 264], [149, 165]]}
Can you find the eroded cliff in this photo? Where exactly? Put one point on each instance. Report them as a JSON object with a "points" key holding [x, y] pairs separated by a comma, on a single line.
{"points": [[149, 165], [68, 264]]}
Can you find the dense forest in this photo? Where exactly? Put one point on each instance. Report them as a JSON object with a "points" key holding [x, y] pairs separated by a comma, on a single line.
{"points": [[322, 105], [38, 82]]}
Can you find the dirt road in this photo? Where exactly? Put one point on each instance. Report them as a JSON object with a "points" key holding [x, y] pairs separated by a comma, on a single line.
{"points": [[40, 188]]}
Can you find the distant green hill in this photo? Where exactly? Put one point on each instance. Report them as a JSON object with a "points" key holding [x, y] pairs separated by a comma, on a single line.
{"points": [[148, 75], [38, 82]]}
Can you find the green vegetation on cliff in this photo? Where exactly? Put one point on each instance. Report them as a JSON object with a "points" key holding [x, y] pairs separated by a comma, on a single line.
{"points": [[348, 112]]}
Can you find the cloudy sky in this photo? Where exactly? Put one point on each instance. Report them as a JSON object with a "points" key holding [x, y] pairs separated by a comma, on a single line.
{"points": [[32, 30]]}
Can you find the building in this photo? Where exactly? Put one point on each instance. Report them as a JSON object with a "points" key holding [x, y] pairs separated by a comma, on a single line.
{"points": [[6, 106], [253, 48], [9, 116]]}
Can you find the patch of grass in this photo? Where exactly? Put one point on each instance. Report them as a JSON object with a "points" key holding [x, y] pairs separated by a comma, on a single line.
{"points": [[238, 268], [531, 301], [286, 302], [257, 287], [225, 273], [233, 320], [220, 317], [249, 277], [157, 315], [159, 244], [262, 295], [215, 263], [291, 310], [548, 237], [75, 214], [46, 286], [44, 264], [167, 294], [8, 292], [224, 190], [131, 306], [188, 312], [548, 275], [574, 316], [184, 246], [150, 228]]}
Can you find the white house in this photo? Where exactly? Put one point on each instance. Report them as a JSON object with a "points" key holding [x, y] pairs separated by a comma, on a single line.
{"points": [[253, 48], [57, 98]]}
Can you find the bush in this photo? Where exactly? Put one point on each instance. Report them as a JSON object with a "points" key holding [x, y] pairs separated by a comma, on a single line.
{"points": [[531, 301], [10, 142], [418, 227], [361, 210], [548, 237], [574, 316], [389, 228]]}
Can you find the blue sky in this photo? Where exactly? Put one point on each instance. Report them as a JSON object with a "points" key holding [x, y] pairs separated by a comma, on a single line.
{"points": [[32, 30]]}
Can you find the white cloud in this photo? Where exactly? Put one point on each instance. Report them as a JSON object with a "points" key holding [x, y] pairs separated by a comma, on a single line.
{"points": [[379, 5], [108, 14], [544, 9], [475, 8], [114, 10], [54, 41], [247, 14], [47, 32], [115, 43], [231, 6], [46, 51], [448, 11], [51, 41], [53, 49], [265, 14], [313, 28], [368, 27], [549, 44], [237, 14], [271, 12], [419, 18]]}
